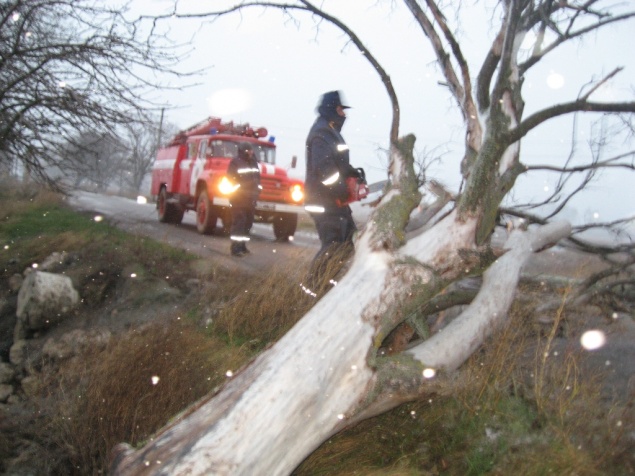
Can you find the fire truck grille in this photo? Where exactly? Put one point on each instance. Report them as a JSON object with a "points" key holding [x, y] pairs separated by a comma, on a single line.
{"points": [[272, 190]]}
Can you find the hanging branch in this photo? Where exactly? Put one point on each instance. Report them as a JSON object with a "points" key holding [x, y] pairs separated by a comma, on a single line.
{"points": [[567, 35], [608, 163], [462, 92], [308, 7], [385, 78], [540, 117]]}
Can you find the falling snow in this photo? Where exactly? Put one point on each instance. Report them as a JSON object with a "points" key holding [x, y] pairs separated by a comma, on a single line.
{"points": [[593, 339]]}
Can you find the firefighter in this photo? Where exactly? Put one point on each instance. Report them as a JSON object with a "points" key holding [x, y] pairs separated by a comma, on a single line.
{"points": [[244, 173], [327, 168]]}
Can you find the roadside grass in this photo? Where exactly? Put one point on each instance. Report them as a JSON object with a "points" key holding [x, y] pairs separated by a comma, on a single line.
{"points": [[258, 310], [131, 389], [33, 227], [515, 407], [263, 309]]}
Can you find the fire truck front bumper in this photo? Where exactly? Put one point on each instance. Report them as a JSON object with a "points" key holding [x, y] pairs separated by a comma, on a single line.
{"points": [[271, 207]]}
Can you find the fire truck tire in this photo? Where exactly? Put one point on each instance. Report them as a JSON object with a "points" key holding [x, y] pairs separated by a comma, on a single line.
{"points": [[205, 217], [168, 212], [284, 226]]}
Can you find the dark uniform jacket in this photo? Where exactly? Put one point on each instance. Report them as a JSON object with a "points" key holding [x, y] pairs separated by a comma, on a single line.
{"points": [[328, 166], [244, 173]]}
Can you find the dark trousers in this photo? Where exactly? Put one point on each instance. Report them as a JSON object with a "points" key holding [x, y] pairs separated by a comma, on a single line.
{"points": [[333, 229], [242, 220]]}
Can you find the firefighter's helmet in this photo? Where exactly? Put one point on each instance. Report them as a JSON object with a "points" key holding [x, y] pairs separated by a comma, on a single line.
{"points": [[243, 150]]}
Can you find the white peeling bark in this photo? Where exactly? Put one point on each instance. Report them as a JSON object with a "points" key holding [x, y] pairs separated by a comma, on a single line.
{"points": [[452, 346], [438, 246], [319, 377], [297, 394]]}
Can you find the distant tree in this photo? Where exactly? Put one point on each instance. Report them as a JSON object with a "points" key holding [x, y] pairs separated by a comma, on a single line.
{"points": [[93, 160], [141, 141], [68, 66], [336, 366], [122, 159]]}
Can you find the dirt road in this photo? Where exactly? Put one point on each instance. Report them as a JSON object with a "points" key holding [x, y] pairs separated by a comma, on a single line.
{"points": [[141, 219]]}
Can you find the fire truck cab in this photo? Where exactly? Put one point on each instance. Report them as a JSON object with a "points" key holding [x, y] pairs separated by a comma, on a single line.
{"points": [[189, 173]]}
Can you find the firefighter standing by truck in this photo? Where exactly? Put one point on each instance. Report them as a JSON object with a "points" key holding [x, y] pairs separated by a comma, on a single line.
{"points": [[328, 168], [244, 173]]}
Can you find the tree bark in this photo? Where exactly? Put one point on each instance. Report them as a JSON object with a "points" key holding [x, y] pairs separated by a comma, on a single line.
{"points": [[329, 371], [326, 373]]}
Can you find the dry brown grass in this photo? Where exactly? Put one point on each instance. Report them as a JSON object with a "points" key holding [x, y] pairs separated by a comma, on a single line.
{"points": [[264, 308], [18, 198], [509, 411], [109, 397]]}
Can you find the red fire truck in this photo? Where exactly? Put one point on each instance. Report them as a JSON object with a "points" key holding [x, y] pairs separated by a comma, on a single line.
{"points": [[189, 174]]}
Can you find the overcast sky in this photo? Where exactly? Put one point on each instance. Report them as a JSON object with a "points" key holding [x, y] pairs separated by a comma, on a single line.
{"points": [[270, 72]]}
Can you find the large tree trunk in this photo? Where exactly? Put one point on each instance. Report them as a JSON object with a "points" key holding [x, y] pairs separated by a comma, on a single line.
{"points": [[326, 372], [329, 371]]}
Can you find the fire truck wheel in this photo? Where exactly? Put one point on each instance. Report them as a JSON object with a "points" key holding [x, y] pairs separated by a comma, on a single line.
{"points": [[205, 217], [284, 226], [168, 212]]}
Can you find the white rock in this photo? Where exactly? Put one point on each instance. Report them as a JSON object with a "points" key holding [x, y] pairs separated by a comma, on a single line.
{"points": [[45, 299]]}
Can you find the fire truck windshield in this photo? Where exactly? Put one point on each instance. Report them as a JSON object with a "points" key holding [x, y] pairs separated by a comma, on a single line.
{"points": [[265, 154], [224, 148]]}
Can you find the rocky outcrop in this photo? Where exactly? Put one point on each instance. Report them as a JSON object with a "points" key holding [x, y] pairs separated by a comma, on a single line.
{"points": [[44, 300], [33, 302]]}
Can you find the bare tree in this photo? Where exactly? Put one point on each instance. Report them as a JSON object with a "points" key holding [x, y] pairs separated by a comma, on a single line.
{"points": [[142, 148], [124, 159], [92, 160], [141, 141], [69, 66], [331, 370]]}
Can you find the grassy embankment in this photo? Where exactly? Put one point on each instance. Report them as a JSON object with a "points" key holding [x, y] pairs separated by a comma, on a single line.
{"points": [[505, 413]]}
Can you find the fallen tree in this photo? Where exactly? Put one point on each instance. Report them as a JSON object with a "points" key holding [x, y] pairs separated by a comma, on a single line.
{"points": [[332, 369]]}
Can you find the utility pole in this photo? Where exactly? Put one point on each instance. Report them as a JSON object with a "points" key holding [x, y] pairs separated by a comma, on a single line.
{"points": [[160, 129]]}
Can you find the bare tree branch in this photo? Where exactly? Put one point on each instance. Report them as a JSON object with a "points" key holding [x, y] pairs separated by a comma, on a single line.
{"points": [[67, 67], [568, 34], [461, 91], [306, 6], [608, 163], [385, 78], [540, 117]]}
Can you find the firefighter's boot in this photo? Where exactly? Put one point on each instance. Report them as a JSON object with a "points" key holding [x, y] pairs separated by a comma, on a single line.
{"points": [[236, 248]]}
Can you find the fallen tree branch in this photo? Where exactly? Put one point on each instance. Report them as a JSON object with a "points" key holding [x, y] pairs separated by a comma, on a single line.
{"points": [[488, 309]]}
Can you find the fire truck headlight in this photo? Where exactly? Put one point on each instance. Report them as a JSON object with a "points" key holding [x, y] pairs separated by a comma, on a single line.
{"points": [[226, 187], [297, 194]]}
